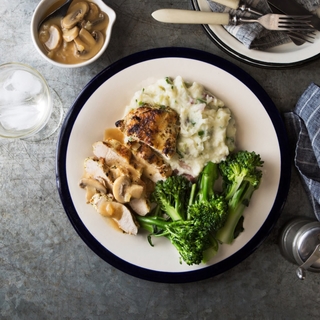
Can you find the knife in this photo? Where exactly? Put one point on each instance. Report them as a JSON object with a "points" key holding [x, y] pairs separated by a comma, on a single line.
{"points": [[191, 16], [292, 7]]}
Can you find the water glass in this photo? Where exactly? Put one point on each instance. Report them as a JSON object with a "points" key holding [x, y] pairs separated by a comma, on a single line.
{"points": [[27, 103]]}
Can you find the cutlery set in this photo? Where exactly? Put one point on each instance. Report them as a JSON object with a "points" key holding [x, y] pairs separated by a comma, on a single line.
{"points": [[295, 20]]}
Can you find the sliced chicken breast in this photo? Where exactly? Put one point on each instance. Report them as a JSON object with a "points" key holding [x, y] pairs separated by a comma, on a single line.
{"points": [[98, 169], [117, 211], [141, 206], [118, 155], [154, 165]]}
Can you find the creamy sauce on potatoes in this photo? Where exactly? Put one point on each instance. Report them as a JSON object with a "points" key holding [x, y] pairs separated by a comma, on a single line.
{"points": [[207, 126]]}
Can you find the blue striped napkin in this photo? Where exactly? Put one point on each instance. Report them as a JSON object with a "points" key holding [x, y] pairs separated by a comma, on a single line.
{"points": [[303, 125], [253, 35]]}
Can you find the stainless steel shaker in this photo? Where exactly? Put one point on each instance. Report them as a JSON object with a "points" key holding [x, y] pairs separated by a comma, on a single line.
{"points": [[300, 243]]}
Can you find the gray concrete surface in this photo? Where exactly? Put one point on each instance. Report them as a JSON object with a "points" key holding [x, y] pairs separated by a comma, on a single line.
{"points": [[46, 270]]}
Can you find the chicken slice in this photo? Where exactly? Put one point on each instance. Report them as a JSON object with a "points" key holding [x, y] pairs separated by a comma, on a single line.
{"points": [[154, 165], [158, 127], [97, 169], [117, 211], [115, 154], [141, 206]]}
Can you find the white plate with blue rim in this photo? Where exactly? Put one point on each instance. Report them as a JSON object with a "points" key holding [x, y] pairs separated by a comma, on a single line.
{"points": [[283, 56], [102, 102]]}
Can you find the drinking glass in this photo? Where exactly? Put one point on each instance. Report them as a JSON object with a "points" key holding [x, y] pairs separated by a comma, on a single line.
{"points": [[29, 109]]}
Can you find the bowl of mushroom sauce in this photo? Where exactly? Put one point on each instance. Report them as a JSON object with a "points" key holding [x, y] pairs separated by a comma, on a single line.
{"points": [[76, 38]]}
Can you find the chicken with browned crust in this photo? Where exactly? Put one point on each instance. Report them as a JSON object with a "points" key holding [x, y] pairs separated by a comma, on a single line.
{"points": [[156, 126]]}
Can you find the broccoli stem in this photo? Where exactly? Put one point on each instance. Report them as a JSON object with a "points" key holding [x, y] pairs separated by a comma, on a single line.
{"points": [[148, 223], [237, 204], [212, 251], [207, 179], [175, 213]]}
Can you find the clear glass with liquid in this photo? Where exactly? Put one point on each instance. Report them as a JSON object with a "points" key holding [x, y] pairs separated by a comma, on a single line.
{"points": [[26, 103]]}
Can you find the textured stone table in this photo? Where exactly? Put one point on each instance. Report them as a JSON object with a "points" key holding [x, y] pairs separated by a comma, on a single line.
{"points": [[46, 270]]}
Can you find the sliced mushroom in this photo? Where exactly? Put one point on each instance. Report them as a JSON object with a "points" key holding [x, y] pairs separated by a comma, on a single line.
{"points": [[87, 38], [80, 45], [92, 186], [123, 190], [75, 14], [88, 54], [55, 38], [70, 34], [85, 42], [85, 182], [93, 13], [90, 192], [99, 24]]}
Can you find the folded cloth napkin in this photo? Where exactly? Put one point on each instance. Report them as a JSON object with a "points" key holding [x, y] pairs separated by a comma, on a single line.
{"points": [[303, 125], [253, 35]]}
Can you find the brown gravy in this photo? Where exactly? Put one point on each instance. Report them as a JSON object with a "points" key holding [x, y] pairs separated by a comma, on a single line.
{"points": [[114, 133], [68, 52]]}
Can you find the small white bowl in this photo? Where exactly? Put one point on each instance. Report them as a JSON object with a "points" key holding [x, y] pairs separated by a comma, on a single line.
{"points": [[38, 15]]}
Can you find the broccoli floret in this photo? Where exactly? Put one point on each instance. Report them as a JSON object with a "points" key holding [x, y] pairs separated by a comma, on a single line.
{"points": [[213, 212], [241, 177], [206, 201], [172, 196], [190, 237], [239, 167], [191, 224]]}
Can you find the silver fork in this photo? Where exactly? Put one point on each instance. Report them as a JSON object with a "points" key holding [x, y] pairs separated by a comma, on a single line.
{"points": [[297, 38], [278, 22]]}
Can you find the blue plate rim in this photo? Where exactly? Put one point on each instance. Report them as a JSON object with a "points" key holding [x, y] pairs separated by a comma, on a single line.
{"points": [[87, 237]]}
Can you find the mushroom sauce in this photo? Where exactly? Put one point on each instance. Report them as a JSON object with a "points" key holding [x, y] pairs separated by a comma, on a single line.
{"points": [[76, 37]]}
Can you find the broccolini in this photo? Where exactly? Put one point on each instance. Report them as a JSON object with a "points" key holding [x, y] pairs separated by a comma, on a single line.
{"points": [[241, 177], [190, 224]]}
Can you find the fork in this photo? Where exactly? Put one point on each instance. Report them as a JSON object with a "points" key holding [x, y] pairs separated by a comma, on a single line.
{"points": [[278, 22], [295, 35], [297, 38], [270, 21]]}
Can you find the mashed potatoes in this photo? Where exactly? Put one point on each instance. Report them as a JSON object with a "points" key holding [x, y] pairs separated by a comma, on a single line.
{"points": [[207, 127]]}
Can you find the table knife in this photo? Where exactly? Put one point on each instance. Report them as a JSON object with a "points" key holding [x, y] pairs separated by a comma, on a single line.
{"points": [[191, 16], [292, 7]]}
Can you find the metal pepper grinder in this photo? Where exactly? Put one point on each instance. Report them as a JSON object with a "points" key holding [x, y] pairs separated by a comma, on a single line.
{"points": [[300, 244]]}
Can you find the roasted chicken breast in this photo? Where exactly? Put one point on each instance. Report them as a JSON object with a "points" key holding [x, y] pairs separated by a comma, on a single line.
{"points": [[156, 126]]}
